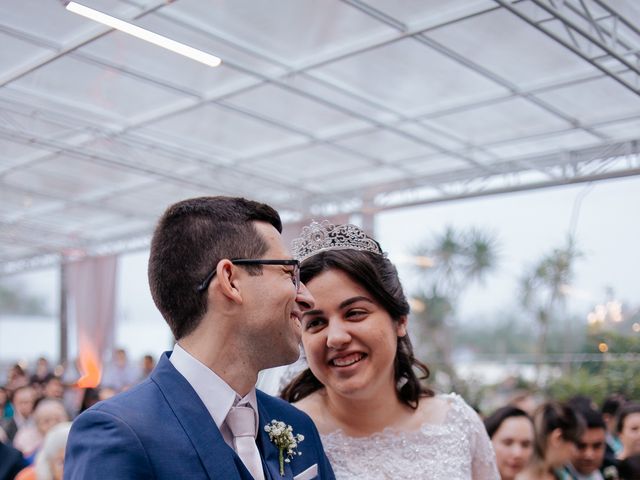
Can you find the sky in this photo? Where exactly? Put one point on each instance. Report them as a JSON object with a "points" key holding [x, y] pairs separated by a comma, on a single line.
{"points": [[526, 224], [529, 225]]}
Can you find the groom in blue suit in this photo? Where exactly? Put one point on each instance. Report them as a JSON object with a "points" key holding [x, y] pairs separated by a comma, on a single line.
{"points": [[225, 283]]}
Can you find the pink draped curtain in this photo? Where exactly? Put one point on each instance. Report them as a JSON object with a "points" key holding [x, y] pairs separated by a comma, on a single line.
{"points": [[91, 285]]}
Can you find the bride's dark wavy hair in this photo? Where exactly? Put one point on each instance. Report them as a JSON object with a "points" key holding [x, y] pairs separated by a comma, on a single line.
{"points": [[380, 278]]}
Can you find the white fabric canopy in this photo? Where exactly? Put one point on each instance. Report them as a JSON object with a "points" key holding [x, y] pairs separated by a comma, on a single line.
{"points": [[319, 107]]}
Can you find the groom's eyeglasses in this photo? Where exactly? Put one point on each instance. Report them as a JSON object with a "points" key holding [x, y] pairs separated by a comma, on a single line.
{"points": [[295, 273]]}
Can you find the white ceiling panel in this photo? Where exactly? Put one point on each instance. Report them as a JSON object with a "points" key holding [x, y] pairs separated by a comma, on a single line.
{"points": [[435, 137], [316, 161], [13, 200], [46, 20], [385, 145], [16, 54], [345, 100], [274, 32], [105, 90], [508, 119], [225, 131], [411, 78], [65, 176], [621, 130], [594, 101], [163, 66], [294, 111], [318, 106]]}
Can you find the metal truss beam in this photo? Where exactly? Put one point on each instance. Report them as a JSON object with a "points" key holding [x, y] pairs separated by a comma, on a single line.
{"points": [[615, 160], [601, 37]]}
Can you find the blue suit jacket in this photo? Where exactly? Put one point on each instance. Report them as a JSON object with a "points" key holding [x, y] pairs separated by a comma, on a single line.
{"points": [[160, 429]]}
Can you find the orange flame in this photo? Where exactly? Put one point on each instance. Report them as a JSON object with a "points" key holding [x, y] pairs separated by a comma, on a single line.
{"points": [[90, 367]]}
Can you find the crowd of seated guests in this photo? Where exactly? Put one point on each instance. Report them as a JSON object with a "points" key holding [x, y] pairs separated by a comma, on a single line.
{"points": [[575, 440], [36, 409]]}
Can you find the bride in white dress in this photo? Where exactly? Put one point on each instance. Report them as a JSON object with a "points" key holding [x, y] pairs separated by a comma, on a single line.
{"points": [[376, 419]]}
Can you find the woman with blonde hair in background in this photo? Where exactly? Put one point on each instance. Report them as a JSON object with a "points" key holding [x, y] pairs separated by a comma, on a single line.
{"points": [[557, 431], [49, 464], [47, 413]]}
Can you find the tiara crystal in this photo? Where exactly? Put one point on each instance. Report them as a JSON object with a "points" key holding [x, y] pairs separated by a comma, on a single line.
{"points": [[323, 236]]}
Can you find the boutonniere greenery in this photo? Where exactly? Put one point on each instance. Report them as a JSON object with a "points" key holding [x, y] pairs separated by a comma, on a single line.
{"points": [[282, 436]]}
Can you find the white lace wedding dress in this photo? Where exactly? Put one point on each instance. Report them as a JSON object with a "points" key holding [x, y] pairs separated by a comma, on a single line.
{"points": [[457, 449]]}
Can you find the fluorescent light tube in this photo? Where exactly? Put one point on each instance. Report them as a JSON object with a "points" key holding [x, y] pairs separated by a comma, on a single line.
{"points": [[143, 34]]}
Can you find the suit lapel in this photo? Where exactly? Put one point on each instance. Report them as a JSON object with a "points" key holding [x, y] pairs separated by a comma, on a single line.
{"points": [[218, 459]]}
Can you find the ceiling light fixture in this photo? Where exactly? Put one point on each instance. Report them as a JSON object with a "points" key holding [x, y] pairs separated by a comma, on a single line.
{"points": [[144, 34]]}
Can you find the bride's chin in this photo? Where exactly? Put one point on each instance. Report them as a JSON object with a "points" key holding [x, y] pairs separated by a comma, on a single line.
{"points": [[347, 389]]}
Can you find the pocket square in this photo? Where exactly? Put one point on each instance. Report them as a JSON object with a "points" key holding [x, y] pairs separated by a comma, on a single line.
{"points": [[309, 474]]}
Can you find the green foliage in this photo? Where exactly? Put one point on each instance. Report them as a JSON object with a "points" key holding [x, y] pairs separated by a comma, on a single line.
{"points": [[616, 376], [616, 342], [14, 301], [617, 372]]}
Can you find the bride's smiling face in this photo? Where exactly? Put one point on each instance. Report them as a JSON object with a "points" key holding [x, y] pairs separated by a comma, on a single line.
{"points": [[350, 340]]}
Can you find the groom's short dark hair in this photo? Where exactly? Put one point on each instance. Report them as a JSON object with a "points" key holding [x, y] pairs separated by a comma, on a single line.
{"points": [[191, 237]]}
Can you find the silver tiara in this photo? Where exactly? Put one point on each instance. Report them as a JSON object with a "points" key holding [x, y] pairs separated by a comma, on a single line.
{"points": [[320, 237]]}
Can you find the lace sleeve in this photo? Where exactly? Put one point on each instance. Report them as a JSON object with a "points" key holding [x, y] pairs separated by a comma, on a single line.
{"points": [[483, 458]]}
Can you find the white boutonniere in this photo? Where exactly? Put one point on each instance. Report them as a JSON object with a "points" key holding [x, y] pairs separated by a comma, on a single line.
{"points": [[282, 436], [610, 473]]}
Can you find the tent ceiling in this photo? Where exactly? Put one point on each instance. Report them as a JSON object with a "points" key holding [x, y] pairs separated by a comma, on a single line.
{"points": [[319, 107]]}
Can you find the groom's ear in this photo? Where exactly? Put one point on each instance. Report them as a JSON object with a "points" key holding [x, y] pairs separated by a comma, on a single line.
{"points": [[228, 281]]}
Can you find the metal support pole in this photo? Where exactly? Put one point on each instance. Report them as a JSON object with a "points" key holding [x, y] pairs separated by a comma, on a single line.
{"points": [[64, 324]]}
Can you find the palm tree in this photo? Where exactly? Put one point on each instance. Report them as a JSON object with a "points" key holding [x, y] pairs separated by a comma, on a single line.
{"points": [[459, 258], [543, 290]]}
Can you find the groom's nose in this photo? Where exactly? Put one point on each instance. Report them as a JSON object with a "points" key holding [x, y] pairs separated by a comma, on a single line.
{"points": [[304, 298]]}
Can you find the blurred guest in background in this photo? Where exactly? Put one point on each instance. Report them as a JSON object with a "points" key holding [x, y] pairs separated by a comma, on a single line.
{"points": [[587, 461], [6, 409], [16, 378], [511, 433], [53, 388], [148, 364], [119, 374], [90, 397], [42, 372], [628, 427], [558, 429], [49, 463], [23, 401], [610, 408], [525, 401], [47, 414]]}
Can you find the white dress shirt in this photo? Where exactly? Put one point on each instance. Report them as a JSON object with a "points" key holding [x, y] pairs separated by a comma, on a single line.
{"points": [[218, 397], [595, 475]]}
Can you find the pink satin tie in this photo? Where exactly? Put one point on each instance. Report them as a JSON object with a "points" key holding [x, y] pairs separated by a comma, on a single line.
{"points": [[242, 423]]}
